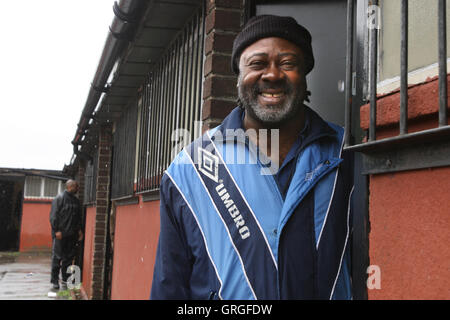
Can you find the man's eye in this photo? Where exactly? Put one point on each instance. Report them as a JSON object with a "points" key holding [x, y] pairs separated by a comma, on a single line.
{"points": [[257, 63], [289, 64]]}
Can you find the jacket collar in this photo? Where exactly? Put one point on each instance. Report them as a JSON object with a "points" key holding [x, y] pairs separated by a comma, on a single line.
{"points": [[69, 194], [316, 127]]}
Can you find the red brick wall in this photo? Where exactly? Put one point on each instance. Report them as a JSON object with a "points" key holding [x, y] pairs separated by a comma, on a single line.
{"points": [[135, 242], [223, 22], [35, 233], [96, 221], [101, 215]]}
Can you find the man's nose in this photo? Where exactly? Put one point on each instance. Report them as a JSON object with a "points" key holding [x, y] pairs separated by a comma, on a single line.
{"points": [[272, 73]]}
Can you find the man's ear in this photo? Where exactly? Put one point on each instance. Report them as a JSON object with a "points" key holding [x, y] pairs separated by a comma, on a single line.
{"points": [[239, 103], [307, 94]]}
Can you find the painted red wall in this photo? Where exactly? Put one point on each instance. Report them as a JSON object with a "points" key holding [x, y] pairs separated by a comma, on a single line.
{"points": [[35, 233], [135, 242], [422, 103], [410, 211], [88, 249], [409, 238]]}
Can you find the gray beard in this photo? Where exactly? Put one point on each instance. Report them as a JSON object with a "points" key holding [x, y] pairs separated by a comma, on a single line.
{"points": [[278, 114]]}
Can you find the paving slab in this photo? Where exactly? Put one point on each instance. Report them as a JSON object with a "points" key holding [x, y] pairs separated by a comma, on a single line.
{"points": [[25, 276]]}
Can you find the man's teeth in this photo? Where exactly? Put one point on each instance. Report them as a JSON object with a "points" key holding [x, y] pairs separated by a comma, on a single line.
{"points": [[272, 95]]}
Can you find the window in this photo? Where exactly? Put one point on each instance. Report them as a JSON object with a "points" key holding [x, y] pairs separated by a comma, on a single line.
{"points": [[33, 186], [169, 109], [394, 64], [124, 153], [40, 187], [51, 187]]}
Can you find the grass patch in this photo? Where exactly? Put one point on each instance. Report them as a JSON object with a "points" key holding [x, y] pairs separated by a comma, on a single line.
{"points": [[68, 294], [11, 254], [64, 294]]}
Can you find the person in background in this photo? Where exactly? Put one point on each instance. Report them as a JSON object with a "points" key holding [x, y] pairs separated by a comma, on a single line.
{"points": [[65, 221]]}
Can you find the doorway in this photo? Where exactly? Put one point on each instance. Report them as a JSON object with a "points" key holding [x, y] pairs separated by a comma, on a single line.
{"points": [[11, 200], [326, 20], [325, 82]]}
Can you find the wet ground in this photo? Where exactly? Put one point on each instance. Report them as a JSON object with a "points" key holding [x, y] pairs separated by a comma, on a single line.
{"points": [[25, 276]]}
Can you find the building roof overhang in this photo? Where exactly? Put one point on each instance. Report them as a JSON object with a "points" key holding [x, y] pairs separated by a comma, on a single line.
{"points": [[139, 34]]}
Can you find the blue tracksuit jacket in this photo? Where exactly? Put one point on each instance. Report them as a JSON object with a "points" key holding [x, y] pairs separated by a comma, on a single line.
{"points": [[229, 231]]}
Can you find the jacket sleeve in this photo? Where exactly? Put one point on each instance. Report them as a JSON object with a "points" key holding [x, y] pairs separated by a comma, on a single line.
{"points": [[172, 266], [54, 221]]}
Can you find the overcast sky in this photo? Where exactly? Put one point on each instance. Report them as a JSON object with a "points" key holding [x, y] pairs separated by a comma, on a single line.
{"points": [[49, 53]]}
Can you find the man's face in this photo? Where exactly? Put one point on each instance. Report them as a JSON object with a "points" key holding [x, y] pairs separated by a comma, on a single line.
{"points": [[73, 187], [272, 83]]}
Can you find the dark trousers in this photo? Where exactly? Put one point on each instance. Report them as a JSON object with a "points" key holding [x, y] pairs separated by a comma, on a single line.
{"points": [[63, 253]]}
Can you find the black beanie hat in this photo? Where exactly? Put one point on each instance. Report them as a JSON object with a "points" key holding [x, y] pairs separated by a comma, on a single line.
{"points": [[265, 26]]}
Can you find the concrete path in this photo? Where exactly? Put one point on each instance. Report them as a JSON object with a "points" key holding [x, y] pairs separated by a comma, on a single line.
{"points": [[25, 276]]}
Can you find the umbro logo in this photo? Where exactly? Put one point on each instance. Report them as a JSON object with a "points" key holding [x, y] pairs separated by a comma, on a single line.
{"points": [[208, 164]]}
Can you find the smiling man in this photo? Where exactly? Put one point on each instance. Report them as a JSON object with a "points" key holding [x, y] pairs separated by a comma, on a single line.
{"points": [[228, 231]]}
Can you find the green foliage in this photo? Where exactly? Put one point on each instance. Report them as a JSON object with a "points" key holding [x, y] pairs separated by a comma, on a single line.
{"points": [[64, 294]]}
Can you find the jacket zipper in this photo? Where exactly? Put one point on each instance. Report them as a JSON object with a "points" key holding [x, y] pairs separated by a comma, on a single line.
{"points": [[316, 180]]}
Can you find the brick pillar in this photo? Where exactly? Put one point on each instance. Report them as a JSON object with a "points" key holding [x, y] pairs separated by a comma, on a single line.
{"points": [[223, 21], [101, 217]]}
